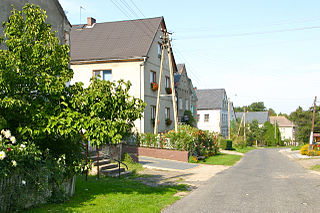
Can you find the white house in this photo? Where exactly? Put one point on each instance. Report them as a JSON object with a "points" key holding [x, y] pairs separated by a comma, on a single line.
{"points": [[129, 50], [213, 110], [287, 128]]}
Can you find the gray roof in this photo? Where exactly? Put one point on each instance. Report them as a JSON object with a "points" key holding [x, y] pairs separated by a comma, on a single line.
{"points": [[113, 40], [261, 117], [210, 98]]}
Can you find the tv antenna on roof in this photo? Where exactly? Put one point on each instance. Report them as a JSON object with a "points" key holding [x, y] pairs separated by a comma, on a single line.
{"points": [[80, 13]]}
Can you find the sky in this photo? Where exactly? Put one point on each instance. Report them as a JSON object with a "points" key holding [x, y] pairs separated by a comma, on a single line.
{"points": [[266, 50]]}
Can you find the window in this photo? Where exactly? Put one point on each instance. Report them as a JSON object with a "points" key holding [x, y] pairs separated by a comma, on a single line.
{"points": [[191, 109], [167, 82], [167, 112], [180, 103], [187, 104], [67, 38], [198, 117], [153, 112], [103, 74], [159, 50], [206, 117], [153, 76]]}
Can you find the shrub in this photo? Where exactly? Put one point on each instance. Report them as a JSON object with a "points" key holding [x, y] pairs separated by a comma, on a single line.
{"points": [[304, 149], [226, 144], [187, 138]]}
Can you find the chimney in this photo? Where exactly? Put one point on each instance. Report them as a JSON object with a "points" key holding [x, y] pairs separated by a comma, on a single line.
{"points": [[91, 21]]}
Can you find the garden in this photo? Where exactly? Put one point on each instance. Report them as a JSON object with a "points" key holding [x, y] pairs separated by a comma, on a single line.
{"points": [[43, 121], [187, 138]]}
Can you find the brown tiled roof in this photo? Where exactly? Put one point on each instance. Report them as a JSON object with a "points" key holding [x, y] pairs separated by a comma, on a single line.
{"points": [[113, 40], [281, 121]]}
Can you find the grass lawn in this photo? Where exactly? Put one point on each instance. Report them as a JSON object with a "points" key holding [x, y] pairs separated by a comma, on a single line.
{"points": [[245, 149], [316, 167], [221, 159], [115, 195]]}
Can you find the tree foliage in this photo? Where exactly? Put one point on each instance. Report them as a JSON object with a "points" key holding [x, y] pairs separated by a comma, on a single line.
{"points": [[105, 110], [303, 121], [33, 71], [35, 102]]}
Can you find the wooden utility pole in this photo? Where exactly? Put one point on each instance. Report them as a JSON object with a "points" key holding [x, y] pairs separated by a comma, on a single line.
{"points": [[156, 120], [244, 126], [166, 45], [229, 118], [312, 128]]}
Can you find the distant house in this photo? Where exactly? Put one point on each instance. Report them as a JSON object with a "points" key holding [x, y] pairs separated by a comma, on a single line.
{"points": [[213, 110], [129, 50], [185, 93], [55, 13], [287, 128], [232, 112], [261, 117]]}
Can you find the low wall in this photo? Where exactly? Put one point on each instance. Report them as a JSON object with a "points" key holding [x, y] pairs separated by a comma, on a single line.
{"points": [[164, 153], [132, 151]]}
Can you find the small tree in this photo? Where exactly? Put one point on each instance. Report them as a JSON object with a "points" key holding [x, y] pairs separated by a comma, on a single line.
{"points": [[105, 110], [33, 72]]}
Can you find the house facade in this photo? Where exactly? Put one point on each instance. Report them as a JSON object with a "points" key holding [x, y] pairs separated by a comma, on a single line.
{"points": [[287, 128], [212, 110], [55, 13], [128, 50], [185, 94]]}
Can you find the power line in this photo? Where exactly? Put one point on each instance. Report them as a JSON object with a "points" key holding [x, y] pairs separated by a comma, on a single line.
{"points": [[284, 22], [122, 9], [250, 33]]}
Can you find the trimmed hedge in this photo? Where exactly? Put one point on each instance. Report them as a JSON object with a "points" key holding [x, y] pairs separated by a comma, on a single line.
{"points": [[226, 144]]}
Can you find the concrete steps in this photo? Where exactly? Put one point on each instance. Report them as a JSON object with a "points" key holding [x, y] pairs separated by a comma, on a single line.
{"points": [[106, 166]]}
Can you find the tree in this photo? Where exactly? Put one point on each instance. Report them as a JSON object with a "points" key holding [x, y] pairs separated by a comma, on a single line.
{"points": [[33, 72], [271, 112], [104, 110], [254, 107], [257, 107], [190, 120], [303, 121]]}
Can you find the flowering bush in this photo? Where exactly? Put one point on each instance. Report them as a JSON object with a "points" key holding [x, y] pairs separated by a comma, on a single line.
{"points": [[15, 156], [187, 138], [168, 90], [154, 86]]}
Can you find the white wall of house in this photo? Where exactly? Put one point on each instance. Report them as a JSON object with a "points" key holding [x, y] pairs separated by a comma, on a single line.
{"points": [[287, 132], [213, 124], [128, 71]]}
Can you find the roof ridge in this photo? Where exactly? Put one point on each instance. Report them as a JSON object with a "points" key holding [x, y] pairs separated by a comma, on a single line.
{"points": [[130, 20]]}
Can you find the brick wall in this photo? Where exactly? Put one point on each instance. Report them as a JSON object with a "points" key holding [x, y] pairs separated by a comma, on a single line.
{"points": [[163, 153]]}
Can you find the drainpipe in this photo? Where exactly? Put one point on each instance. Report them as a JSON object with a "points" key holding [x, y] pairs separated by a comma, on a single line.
{"points": [[141, 65]]}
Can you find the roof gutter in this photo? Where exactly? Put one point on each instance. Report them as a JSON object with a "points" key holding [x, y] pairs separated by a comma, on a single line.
{"points": [[77, 62]]}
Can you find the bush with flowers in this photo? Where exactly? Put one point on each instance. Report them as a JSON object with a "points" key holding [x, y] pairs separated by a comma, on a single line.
{"points": [[187, 138]]}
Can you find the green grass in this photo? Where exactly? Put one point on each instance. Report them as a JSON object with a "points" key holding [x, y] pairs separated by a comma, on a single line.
{"points": [[293, 148], [115, 195], [244, 149], [221, 159], [132, 166], [316, 167]]}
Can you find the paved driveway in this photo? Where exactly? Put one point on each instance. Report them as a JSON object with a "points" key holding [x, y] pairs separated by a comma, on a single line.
{"points": [[264, 181]]}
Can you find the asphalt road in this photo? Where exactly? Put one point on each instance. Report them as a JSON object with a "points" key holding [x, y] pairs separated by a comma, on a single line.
{"points": [[263, 181]]}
